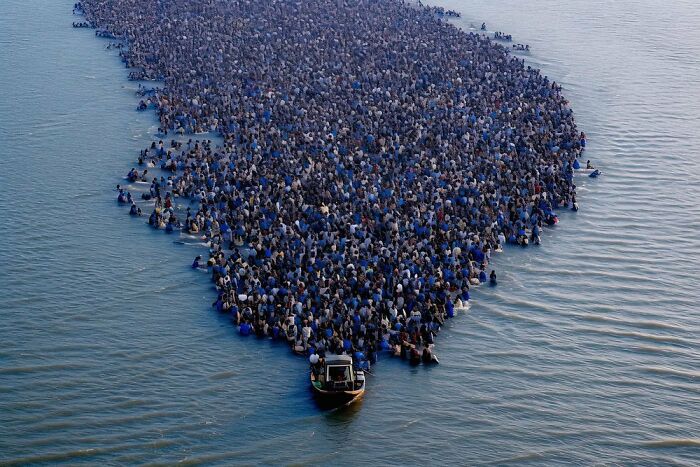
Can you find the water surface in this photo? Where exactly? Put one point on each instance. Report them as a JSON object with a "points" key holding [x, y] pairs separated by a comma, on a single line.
{"points": [[586, 352]]}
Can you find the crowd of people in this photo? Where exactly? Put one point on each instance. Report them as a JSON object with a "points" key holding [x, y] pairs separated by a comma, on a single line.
{"points": [[440, 11], [502, 36], [373, 158]]}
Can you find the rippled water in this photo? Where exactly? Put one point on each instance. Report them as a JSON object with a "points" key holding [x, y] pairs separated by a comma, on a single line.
{"points": [[588, 350]]}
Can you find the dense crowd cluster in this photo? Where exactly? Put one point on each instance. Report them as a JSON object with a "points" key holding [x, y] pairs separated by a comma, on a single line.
{"points": [[373, 158]]}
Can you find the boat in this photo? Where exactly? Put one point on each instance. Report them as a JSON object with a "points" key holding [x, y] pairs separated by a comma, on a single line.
{"points": [[335, 381]]}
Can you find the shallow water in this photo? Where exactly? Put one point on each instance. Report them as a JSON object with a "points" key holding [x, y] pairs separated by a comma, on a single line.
{"points": [[586, 352]]}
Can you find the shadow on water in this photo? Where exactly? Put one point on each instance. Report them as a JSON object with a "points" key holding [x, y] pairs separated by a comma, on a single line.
{"points": [[338, 414]]}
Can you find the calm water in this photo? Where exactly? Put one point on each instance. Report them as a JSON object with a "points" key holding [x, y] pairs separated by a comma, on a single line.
{"points": [[588, 351]]}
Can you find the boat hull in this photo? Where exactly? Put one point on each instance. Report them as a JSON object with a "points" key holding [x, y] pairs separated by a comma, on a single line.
{"points": [[332, 399]]}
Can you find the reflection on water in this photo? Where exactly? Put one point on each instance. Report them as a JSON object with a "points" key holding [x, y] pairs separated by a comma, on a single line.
{"points": [[342, 415]]}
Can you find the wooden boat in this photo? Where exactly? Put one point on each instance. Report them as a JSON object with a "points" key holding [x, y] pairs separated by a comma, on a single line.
{"points": [[336, 382]]}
